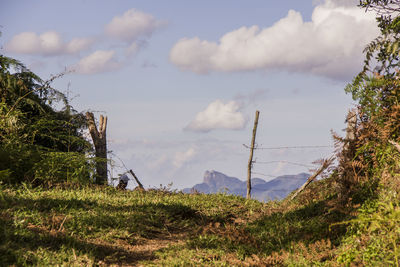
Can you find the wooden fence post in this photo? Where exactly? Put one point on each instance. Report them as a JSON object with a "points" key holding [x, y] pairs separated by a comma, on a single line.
{"points": [[250, 164], [100, 145], [136, 179]]}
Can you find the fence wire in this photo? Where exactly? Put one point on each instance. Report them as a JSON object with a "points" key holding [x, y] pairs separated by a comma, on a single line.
{"points": [[305, 165], [285, 147], [284, 161]]}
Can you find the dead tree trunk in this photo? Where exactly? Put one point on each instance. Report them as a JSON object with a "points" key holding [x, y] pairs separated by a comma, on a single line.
{"points": [[250, 164], [347, 172], [350, 130], [325, 165], [100, 146]]}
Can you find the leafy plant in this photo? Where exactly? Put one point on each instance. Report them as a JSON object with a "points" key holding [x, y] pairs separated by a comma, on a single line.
{"points": [[56, 167]]}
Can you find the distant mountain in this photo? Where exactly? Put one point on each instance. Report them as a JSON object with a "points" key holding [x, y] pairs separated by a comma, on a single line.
{"points": [[277, 188]]}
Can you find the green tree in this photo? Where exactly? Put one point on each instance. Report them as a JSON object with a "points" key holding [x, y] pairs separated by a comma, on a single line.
{"points": [[377, 90], [33, 134], [374, 86]]}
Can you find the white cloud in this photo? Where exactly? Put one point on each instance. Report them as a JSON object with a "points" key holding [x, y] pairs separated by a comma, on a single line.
{"points": [[182, 157], [132, 25], [48, 44], [97, 62], [133, 28], [218, 115], [349, 3], [331, 44], [77, 45]]}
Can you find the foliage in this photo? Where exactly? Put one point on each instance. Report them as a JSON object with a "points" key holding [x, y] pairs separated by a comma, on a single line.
{"points": [[374, 236], [61, 167], [369, 165], [372, 88], [31, 129], [377, 90]]}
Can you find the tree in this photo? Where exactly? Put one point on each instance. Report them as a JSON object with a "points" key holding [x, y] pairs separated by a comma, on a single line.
{"points": [[377, 90], [375, 87], [32, 132]]}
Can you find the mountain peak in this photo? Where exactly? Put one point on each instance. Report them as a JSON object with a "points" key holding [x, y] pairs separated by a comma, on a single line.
{"points": [[211, 175], [219, 180]]}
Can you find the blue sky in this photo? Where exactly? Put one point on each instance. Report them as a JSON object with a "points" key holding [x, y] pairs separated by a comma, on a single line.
{"points": [[180, 80]]}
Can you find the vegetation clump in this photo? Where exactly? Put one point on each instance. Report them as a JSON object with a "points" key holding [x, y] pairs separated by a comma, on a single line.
{"points": [[38, 143]]}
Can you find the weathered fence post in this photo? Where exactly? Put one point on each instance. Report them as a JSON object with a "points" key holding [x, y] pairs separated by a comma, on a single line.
{"points": [[100, 145], [251, 155], [136, 179]]}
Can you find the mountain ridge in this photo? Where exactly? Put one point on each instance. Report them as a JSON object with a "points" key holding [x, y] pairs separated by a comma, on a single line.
{"points": [[275, 189]]}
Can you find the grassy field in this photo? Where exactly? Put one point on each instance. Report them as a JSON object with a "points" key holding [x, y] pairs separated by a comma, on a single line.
{"points": [[93, 226]]}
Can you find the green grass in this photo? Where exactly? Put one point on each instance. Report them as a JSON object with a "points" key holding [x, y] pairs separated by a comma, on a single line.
{"points": [[101, 224], [92, 226], [373, 237]]}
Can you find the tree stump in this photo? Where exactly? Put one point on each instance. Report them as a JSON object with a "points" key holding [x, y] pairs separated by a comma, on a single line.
{"points": [[100, 146]]}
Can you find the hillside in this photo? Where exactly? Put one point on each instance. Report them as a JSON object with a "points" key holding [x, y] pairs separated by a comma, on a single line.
{"points": [[103, 226], [98, 226], [277, 188]]}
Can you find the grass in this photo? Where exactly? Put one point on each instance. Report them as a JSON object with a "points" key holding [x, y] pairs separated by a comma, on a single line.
{"points": [[101, 224], [96, 226], [373, 237]]}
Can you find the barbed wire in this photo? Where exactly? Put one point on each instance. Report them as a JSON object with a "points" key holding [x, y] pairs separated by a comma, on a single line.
{"points": [[309, 166], [284, 161], [286, 147], [115, 155], [123, 164]]}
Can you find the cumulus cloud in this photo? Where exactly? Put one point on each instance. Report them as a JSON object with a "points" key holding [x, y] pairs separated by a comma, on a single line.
{"points": [[132, 25], [133, 28], [331, 44], [97, 62], [349, 3], [48, 44], [218, 115], [77, 45], [182, 157]]}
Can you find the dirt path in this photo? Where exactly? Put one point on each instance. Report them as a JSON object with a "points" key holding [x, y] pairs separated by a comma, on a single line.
{"points": [[125, 254]]}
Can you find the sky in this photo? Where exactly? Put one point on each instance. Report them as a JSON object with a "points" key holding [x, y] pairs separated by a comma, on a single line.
{"points": [[180, 80]]}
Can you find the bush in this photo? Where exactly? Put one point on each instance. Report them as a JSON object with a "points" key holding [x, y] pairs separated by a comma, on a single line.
{"points": [[70, 167]]}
